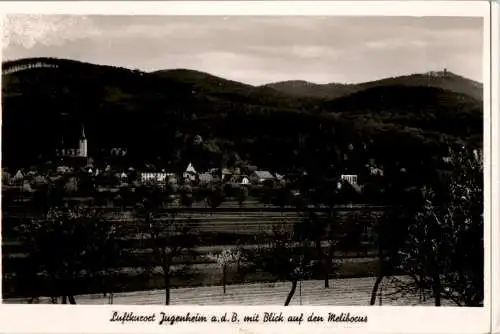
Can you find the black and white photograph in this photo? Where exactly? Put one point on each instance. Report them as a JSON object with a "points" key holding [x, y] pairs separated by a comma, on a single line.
{"points": [[243, 160]]}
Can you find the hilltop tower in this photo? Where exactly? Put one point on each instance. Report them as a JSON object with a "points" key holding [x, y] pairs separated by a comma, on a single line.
{"points": [[83, 144]]}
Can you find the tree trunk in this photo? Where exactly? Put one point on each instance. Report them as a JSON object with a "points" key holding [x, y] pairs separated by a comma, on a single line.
{"points": [[110, 298], [322, 260], [327, 276], [224, 279], [64, 299], [375, 289], [166, 278], [291, 293], [72, 300], [328, 266], [436, 289], [384, 270]]}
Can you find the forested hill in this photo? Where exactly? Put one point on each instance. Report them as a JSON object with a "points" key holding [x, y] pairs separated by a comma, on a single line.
{"points": [[441, 79], [156, 116], [427, 108], [238, 92]]}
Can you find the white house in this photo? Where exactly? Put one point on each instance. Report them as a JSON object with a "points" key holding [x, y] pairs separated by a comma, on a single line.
{"points": [[352, 179], [447, 160], [240, 179], [190, 169], [376, 171], [190, 173], [18, 176], [155, 177]]}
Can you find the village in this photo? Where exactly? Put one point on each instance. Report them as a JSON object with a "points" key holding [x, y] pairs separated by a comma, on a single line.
{"points": [[110, 180], [104, 184]]}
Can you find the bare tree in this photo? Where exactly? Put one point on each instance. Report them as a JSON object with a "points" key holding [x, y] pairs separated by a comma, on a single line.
{"points": [[392, 232], [285, 255], [242, 195], [67, 246], [443, 248], [215, 197], [224, 259], [449, 231], [333, 235], [322, 229], [169, 236], [104, 258], [187, 196]]}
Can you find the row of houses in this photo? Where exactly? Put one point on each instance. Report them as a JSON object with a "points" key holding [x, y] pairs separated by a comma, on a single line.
{"points": [[225, 175], [192, 176]]}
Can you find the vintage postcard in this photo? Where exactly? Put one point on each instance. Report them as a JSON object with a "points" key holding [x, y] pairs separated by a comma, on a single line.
{"points": [[247, 167]]}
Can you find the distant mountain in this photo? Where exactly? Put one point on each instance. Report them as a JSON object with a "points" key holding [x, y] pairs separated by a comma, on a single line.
{"points": [[157, 115], [126, 108], [441, 79], [305, 88], [204, 83], [423, 107]]}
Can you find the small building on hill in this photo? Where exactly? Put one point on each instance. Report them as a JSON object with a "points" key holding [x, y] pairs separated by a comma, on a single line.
{"points": [[447, 160], [375, 171], [118, 152]]}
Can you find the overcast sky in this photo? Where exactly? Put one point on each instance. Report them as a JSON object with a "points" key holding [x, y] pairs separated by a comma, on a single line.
{"points": [[257, 50]]}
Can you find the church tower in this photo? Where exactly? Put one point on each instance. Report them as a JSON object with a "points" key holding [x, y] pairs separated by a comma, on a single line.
{"points": [[83, 145]]}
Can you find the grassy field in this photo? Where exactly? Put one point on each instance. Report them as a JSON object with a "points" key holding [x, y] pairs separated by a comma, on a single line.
{"points": [[217, 229], [182, 275]]}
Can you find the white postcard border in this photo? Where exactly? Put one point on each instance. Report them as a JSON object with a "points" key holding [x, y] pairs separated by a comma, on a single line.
{"points": [[495, 232], [95, 319]]}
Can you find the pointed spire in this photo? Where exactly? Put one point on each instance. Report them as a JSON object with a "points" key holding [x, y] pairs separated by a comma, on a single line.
{"points": [[83, 132]]}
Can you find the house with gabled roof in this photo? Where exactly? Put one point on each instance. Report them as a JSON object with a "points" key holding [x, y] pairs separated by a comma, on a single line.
{"points": [[260, 176], [190, 173]]}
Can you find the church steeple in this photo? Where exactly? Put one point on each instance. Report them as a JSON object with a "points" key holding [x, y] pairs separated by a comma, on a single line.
{"points": [[83, 133], [83, 144]]}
